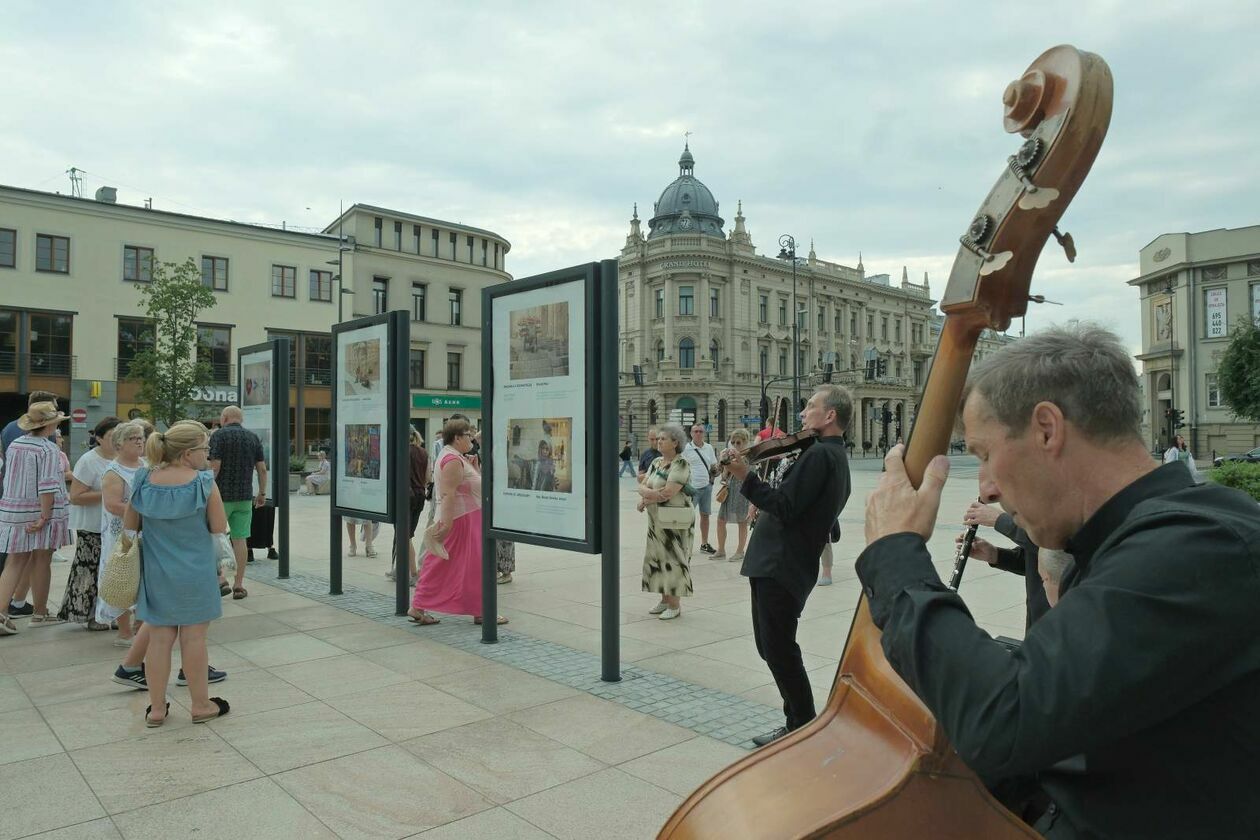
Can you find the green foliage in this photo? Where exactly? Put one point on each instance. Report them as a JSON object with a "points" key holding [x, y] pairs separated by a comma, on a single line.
{"points": [[169, 373], [1241, 475], [297, 464], [1238, 374]]}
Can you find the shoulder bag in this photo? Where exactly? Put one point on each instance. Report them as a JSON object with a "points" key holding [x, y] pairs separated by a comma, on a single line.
{"points": [[674, 517], [120, 583]]}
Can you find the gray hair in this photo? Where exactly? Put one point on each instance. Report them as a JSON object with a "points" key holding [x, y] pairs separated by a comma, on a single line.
{"points": [[125, 430], [1080, 367], [1054, 562], [675, 433], [840, 400]]}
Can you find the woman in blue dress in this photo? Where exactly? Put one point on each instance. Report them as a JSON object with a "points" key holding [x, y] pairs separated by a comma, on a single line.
{"points": [[176, 506]]}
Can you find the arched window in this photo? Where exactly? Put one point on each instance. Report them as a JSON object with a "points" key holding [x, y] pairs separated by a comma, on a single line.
{"points": [[713, 354], [686, 353]]}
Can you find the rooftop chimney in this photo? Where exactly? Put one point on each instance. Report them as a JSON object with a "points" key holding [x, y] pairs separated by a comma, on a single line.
{"points": [[109, 195]]}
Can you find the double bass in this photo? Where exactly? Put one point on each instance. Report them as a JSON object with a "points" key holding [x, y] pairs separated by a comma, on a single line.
{"points": [[875, 763]]}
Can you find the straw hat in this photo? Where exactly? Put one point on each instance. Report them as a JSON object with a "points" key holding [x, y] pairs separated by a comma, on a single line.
{"points": [[39, 415]]}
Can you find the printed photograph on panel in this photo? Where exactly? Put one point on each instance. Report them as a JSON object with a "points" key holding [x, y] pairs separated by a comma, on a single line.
{"points": [[538, 454], [363, 450], [362, 374], [257, 384], [539, 341]]}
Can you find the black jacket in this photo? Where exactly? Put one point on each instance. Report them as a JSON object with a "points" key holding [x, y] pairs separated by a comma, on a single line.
{"points": [[1135, 700], [796, 517]]}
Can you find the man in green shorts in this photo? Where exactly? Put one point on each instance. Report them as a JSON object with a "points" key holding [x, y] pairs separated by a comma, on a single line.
{"points": [[235, 454]]}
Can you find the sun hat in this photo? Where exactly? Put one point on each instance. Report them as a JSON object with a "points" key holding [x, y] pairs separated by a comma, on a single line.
{"points": [[39, 415]]}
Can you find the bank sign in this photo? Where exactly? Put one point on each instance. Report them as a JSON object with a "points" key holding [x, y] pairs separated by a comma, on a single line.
{"points": [[444, 401]]}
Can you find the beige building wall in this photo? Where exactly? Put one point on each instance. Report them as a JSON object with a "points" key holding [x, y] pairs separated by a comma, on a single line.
{"points": [[1194, 288]]}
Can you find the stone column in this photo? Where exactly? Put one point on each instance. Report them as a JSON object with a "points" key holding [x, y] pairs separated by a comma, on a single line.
{"points": [[907, 363]]}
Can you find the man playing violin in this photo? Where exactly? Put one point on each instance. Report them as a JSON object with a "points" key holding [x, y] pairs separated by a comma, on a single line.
{"points": [[1132, 705], [781, 562]]}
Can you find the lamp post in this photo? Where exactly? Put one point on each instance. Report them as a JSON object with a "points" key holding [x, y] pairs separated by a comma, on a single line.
{"points": [[342, 247], [787, 250]]}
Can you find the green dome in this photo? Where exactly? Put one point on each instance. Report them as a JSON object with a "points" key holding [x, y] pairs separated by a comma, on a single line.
{"points": [[686, 206]]}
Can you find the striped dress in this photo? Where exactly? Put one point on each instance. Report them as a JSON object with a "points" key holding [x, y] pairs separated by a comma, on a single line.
{"points": [[33, 467]]}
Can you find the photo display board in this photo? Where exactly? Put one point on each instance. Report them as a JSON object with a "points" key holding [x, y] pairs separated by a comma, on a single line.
{"points": [[361, 379], [542, 401], [257, 401]]}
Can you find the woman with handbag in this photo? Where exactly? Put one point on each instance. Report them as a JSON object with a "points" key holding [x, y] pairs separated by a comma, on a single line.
{"points": [[128, 440], [178, 503], [671, 524], [734, 506]]}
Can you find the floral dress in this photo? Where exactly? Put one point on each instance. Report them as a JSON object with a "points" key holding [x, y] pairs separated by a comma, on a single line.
{"points": [[34, 469], [667, 555], [111, 528]]}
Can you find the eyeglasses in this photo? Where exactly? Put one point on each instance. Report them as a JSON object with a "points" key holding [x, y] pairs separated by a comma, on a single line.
{"points": [[136, 439]]}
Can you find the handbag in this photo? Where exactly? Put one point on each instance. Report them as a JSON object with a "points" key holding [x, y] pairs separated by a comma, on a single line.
{"points": [[120, 582], [722, 492], [674, 517], [225, 555]]}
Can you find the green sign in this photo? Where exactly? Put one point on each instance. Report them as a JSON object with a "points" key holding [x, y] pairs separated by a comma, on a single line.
{"points": [[444, 401]]}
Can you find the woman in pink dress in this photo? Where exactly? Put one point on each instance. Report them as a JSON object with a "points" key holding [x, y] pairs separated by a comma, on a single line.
{"points": [[452, 583]]}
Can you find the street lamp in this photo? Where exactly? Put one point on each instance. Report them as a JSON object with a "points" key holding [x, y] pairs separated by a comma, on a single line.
{"points": [[787, 251]]}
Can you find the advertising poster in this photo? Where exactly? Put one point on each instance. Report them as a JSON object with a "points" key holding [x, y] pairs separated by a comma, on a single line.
{"points": [[1214, 308], [256, 406], [539, 341], [362, 435]]}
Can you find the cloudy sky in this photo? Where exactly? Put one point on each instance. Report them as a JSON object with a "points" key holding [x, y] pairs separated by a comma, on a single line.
{"points": [[866, 126]]}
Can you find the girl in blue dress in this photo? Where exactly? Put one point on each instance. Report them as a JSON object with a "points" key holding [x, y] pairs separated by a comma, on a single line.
{"points": [[176, 505]]}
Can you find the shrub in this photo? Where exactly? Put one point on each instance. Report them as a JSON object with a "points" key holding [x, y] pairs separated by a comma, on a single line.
{"points": [[1240, 475], [297, 464]]}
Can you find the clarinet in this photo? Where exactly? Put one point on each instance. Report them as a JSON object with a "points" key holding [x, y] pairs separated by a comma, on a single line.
{"points": [[960, 557]]}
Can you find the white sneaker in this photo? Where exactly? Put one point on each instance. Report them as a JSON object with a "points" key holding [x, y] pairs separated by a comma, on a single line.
{"points": [[669, 613], [737, 556], [658, 609], [719, 555], [7, 627]]}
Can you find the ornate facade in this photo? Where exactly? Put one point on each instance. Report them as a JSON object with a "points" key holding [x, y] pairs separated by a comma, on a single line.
{"points": [[707, 321]]}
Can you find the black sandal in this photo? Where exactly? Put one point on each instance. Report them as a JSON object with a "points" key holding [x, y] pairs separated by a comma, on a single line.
{"points": [[224, 590], [150, 722], [224, 708]]}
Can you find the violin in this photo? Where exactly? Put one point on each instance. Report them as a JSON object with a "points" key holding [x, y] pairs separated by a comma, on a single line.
{"points": [[774, 447], [875, 764]]}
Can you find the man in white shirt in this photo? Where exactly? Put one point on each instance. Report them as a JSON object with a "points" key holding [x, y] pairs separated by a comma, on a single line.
{"points": [[703, 461]]}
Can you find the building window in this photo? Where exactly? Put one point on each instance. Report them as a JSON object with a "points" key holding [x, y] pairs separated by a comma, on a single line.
{"points": [[918, 373], [397, 236], [686, 353], [782, 312], [1213, 391], [782, 363], [660, 303], [214, 347], [8, 341], [454, 244], [800, 361], [852, 324], [50, 344], [713, 354], [415, 238], [138, 264], [838, 322], [883, 327], [763, 309], [660, 352], [686, 300], [8, 248], [418, 291], [897, 331], [134, 336], [52, 253], [435, 242], [457, 303], [764, 361], [317, 355], [416, 369], [318, 431], [380, 295], [376, 234], [470, 250], [321, 285], [897, 368], [715, 303], [485, 251], [822, 319], [452, 371], [284, 281], [214, 273]]}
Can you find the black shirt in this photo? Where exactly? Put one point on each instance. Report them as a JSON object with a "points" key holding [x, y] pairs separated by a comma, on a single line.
{"points": [[1135, 699], [1022, 560], [237, 450], [646, 459], [796, 517]]}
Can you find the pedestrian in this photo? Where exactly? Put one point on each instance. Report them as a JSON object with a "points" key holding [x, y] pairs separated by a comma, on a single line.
{"points": [[734, 507], [417, 480], [236, 457], [368, 530], [321, 476], [128, 440], [1023, 559], [34, 512], [1179, 451], [665, 494], [703, 460], [79, 601], [650, 453], [178, 503], [452, 583], [781, 563], [626, 466]]}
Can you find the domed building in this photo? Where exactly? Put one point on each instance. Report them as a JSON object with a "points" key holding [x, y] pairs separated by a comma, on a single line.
{"points": [[705, 321]]}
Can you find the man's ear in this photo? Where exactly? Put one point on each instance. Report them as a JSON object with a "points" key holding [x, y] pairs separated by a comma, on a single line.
{"points": [[1049, 426]]}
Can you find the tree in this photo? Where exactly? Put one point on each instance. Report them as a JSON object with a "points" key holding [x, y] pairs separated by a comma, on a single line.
{"points": [[1238, 374], [169, 372]]}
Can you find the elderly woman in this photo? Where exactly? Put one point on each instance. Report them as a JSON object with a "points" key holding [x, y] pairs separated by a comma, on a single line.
{"points": [[667, 555], [735, 507], [79, 603], [321, 476], [128, 444]]}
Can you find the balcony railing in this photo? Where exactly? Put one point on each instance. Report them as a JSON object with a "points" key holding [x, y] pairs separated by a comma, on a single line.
{"points": [[316, 376], [8, 361], [52, 364]]}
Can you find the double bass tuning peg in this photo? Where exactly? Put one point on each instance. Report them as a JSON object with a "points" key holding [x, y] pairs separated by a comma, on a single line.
{"points": [[1065, 240]]}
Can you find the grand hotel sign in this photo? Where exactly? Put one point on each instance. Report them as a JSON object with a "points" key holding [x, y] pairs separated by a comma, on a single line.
{"points": [[672, 265]]}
